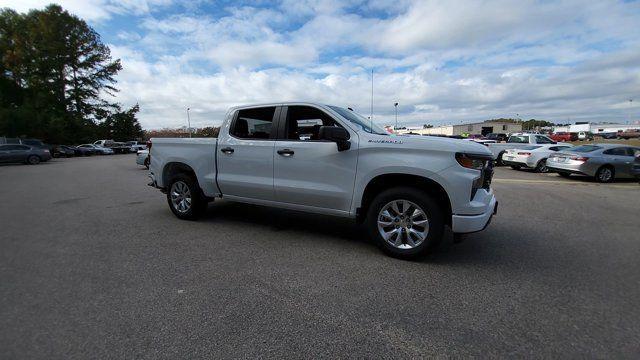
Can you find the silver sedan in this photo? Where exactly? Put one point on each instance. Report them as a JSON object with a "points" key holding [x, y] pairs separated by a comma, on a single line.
{"points": [[604, 162]]}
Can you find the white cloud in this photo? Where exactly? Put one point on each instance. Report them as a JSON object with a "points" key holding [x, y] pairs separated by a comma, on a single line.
{"points": [[443, 61], [91, 10]]}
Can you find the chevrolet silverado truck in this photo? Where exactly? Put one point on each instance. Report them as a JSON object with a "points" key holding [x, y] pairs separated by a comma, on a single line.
{"points": [[330, 160], [518, 141]]}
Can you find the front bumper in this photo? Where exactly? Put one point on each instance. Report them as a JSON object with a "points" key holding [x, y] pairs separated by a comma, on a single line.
{"points": [[472, 223]]}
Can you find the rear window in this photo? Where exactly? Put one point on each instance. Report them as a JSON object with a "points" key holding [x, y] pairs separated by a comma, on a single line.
{"points": [[254, 123], [585, 148], [518, 139], [531, 147]]}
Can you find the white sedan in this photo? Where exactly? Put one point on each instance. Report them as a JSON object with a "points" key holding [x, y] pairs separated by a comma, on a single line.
{"points": [[142, 158], [532, 157]]}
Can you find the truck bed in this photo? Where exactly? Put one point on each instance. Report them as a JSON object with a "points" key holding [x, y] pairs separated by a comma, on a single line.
{"points": [[197, 153]]}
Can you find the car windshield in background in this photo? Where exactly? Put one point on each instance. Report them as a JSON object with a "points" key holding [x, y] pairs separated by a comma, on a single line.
{"points": [[533, 147], [585, 148], [364, 123], [518, 139]]}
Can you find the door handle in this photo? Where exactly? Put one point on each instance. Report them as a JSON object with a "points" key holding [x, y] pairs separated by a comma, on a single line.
{"points": [[227, 150], [285, 152]]}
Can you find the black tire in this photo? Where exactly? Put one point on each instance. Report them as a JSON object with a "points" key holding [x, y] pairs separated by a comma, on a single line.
{"points": [[499, 161], [146, 162], [198, 201], [541, 167], [605, 174], [33, 160], [432, 210], [515, 167], [564, 175]]}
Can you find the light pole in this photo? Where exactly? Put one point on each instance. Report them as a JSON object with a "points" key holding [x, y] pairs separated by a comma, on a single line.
{"points": [[630, 110], [189, 121], [396, 106]]}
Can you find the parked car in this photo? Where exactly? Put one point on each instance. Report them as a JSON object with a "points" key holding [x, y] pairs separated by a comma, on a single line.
{"points": [[608, 135], [23, 153], [98, 149], [585, 135], [349, 167], [142, 158], [116, 147], [532, 156], [635, 168], [82, 151], [137, 145], [604, 162], [517, 141], [564, 136], [62, 151], [629, 134], [498, 137]]}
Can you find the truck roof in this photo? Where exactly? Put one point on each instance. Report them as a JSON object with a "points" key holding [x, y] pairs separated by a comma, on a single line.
{"points": [[280, 103]]}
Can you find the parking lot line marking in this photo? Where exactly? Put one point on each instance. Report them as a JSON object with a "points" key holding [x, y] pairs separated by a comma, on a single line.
{"points": [[524, 181]]}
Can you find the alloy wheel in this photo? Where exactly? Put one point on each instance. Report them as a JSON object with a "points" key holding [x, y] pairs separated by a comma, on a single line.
{"points": [[403, 224], [180, 196]]}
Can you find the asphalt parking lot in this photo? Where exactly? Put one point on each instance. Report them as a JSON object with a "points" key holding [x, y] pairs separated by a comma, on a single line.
{"points": [[94, 265]]}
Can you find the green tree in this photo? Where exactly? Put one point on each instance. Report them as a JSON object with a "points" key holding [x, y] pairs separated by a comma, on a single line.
{"points": [[122, 125], [55, 74]]}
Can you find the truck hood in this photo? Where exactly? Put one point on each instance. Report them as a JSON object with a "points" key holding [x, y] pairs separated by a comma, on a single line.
{"points": [[434, 143]]}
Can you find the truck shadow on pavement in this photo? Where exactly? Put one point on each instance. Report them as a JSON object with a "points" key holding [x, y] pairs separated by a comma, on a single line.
{"points": [[476, 248]]}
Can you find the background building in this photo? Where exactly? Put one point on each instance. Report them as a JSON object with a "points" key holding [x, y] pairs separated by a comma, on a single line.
{"points": [[596, 128], [482, 128]]}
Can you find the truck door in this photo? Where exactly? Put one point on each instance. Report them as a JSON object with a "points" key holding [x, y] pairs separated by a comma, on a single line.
{"points": [[245, 154], [309, 171]]}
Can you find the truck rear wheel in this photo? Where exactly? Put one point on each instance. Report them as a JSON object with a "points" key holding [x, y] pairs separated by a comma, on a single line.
{"points": [[405, 223], [185, 197]]}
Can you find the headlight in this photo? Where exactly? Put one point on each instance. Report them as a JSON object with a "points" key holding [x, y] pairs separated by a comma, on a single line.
{"points": [[473, 161]]}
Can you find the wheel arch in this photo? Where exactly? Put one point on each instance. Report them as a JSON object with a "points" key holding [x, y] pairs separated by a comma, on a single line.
{"points": [[173, 168], [387, 181]]}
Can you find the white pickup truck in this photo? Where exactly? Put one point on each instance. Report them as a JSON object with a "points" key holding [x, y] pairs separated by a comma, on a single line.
{"points": [[517, 141], [330, 160]]}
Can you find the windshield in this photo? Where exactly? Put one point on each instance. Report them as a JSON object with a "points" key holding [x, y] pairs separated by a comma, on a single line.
{"points": [[585, 148], [359, 120]]}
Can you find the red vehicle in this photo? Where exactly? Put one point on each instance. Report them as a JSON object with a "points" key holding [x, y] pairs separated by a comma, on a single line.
{"points": [[629, 134], [564, 136]]}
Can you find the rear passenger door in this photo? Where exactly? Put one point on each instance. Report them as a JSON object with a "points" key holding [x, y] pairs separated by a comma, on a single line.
{"points": [[621, 158], [245, 154], [309, 171]]}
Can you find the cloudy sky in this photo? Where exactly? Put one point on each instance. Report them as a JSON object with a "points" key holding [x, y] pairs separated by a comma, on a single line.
{"points": [[443, 61]]}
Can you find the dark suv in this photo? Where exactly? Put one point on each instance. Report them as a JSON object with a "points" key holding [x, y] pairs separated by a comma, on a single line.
{"points": [[497, 137]]}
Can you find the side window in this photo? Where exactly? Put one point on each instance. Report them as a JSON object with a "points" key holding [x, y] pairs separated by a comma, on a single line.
{"points": [[254, 123], [543, 140], [303, 122], [554, 148], [616, 152], [632, 151]]}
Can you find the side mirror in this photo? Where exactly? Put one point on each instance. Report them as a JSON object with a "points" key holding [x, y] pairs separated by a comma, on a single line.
{"points": [[336, 134]]}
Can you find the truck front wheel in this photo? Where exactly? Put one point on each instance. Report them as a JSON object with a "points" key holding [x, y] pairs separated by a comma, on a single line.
{"points": [[405, 222], [185, 197]]}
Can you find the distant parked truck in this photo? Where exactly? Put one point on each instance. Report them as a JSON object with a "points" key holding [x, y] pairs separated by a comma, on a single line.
{"points": [[517, 141], [629, 134], [564, 136]]}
